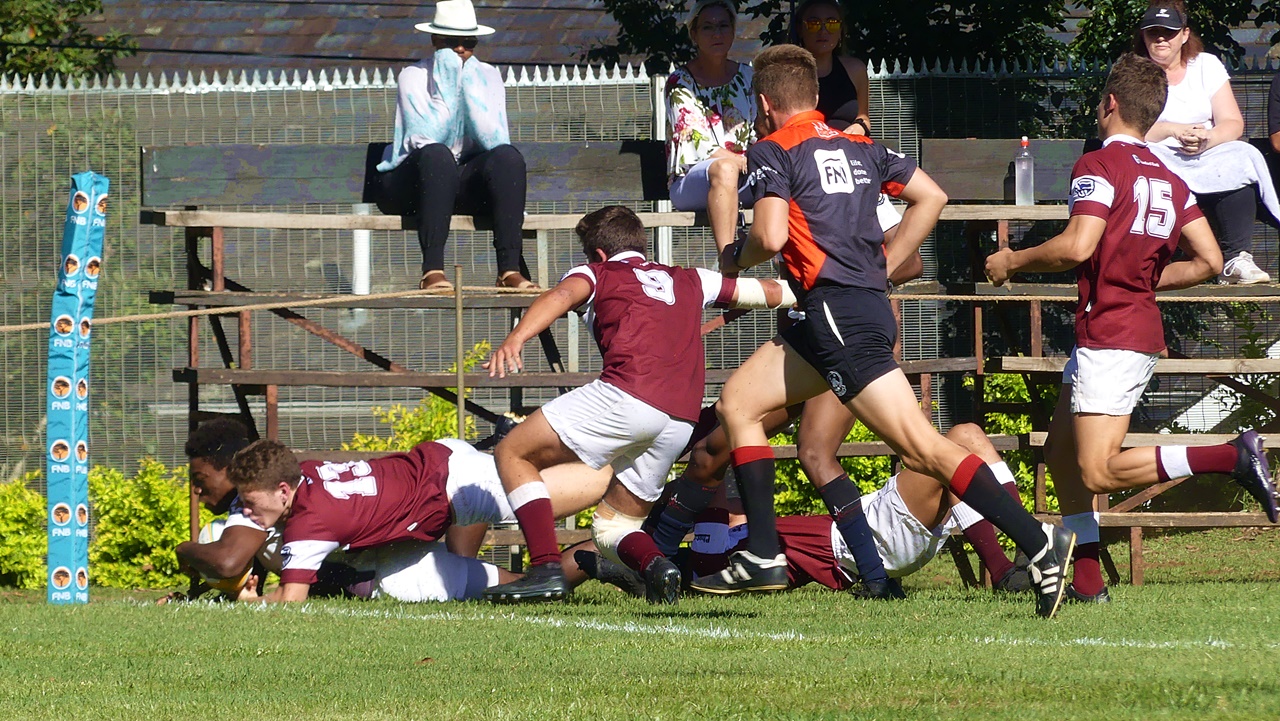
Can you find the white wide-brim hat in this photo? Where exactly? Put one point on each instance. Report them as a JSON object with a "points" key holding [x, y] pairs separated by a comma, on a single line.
{"points": [[454, 17]]}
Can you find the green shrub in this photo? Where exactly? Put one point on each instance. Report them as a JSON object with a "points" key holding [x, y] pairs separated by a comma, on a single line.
{"points": [[431, 419], [1011, 388], [23, 536], [139, 522]]}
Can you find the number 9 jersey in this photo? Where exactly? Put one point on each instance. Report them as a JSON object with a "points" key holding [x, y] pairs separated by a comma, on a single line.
{"points": [[1145, 205]]}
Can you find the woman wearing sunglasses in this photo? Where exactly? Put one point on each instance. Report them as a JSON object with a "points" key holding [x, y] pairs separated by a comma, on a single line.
{"points": [[710, 121], [843, 88], [452, 150]]}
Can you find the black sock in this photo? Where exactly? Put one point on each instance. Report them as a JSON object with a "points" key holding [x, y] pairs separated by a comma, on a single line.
{"points": [[688, 499], [976, 485], [753, 469], [844, 503]]}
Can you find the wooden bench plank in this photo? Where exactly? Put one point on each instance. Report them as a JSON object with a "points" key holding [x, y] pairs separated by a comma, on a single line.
{"points": [[231, 300], [1182, 520], [980, 169], [387, 379], [241, 174], [1136, 440], [1183, 366]]}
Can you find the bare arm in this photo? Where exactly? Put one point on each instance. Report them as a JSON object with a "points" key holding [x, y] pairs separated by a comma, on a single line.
{"points": [[911, 268], [925, 201], [767, 236], [857, 71], [1062, 252], [567, 295], [226, 557], [1228, 122], [1204, 258]]}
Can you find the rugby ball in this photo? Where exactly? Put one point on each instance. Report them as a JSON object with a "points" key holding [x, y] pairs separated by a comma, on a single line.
{"points": [[211, 532]]}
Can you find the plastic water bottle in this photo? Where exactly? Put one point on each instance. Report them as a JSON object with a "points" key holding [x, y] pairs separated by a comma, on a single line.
{"points": [[1024, 175]]}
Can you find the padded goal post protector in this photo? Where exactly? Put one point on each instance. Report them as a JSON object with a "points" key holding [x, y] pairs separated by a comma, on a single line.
{"points": [[67, 439]]}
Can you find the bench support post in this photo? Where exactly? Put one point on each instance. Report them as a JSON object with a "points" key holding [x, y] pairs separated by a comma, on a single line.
{"points": [[1137, 567]]}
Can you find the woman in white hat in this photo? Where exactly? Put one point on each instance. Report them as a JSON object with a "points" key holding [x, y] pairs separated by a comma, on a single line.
{"points": [[452, 150], [1198, 137], [710, 121]]}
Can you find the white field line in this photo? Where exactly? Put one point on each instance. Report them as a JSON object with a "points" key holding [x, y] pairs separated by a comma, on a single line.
{"points": [[1209, 643], [669, 628]]}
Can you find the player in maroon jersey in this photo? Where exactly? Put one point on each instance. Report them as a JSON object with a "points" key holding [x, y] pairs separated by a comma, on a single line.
{"points": [[1129, 214], [816, 190], [646, 318]]}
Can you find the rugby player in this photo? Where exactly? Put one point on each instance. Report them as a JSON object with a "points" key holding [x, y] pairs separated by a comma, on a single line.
{"points": [[816, 191], [638, 416], [1129, 213], [911, 516], [390, 514], [685, 499]]}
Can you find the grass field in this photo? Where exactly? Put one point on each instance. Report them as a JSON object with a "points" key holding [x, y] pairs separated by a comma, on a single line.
{"points": [[1200, 640]]}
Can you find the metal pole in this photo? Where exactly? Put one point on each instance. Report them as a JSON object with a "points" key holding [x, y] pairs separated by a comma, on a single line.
{"points": [[664, 240], [459, 353], [360, 253]]}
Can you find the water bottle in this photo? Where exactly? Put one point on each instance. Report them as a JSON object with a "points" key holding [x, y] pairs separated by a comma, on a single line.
{"points": [[1024, 174]]}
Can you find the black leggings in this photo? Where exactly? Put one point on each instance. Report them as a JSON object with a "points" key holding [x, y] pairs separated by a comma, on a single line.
{"points": [[1232, 214], [433, 186]]}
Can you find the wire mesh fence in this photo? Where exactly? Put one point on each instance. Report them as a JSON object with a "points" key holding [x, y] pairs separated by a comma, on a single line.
{"points": [[50, 129]]}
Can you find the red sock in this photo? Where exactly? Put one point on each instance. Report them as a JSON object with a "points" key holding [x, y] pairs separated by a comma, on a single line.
{"points": [[538, 524], [1087, 575], [637, 550], [983, 537], [1182, 461]]}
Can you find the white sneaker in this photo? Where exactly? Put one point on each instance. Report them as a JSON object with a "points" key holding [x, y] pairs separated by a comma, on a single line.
{"points": [[1243, 271]]}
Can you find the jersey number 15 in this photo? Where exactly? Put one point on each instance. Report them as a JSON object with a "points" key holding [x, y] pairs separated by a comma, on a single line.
{"points": [[1156, 213]]}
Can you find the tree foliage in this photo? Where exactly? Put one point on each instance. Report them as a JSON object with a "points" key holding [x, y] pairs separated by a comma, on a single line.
{"points": [[45, 36], [981, 30]]}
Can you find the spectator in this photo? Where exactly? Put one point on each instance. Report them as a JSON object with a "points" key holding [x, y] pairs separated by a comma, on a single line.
{"points": [[844, 94], [1198, 137], [710, 121], [452, 150]]}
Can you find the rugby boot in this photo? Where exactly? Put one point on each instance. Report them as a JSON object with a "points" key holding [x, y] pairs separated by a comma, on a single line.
{"points": [[614, 574], [1015, 580], [745, 572], [1074, 596], [1253, 473], [541, 584], [662, 581], [887, 590], [1048, 569]]}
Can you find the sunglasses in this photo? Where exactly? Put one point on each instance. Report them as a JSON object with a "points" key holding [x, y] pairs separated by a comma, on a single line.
{"points": [[831, 24], [454, 41]]}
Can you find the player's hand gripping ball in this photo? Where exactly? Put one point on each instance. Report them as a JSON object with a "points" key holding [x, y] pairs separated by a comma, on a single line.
{"points": [[230, 586]]}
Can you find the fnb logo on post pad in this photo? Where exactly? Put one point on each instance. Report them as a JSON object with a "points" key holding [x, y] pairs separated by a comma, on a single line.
{"points": [[833, 171]]}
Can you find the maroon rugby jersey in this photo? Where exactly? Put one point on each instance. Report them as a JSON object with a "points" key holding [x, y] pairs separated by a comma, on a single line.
{"points": [[647, 320], [365, 503], [832, 182], [1145, 206]]}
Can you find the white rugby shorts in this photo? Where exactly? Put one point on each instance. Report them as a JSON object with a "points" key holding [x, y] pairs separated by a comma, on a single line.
{"points": [[904, 544], [605, 426], [1107, 381], [417, 571], [474, 489]]}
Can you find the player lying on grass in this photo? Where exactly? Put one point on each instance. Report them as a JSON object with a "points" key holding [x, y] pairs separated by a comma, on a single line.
{"points": [[244, 548], [911, 516], [924, 497], [1129, 213], [637, 417], [816, 191], [390, 514]]}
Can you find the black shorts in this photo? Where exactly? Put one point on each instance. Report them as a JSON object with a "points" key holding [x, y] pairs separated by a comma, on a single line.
{"points": [[847, 336]]}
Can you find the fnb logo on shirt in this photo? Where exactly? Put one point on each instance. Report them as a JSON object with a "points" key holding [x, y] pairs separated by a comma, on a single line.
{"points": [[833, 171]]}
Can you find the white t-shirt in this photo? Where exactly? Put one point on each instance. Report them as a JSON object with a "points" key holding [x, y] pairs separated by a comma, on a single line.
{"points": [[1190, 101], [269, 554]]}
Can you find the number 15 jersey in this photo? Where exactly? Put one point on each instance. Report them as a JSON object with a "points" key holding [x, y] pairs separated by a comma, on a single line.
{"points": [[1145, 207]]}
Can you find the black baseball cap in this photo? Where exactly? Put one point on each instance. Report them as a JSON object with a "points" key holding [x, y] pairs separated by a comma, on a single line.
{"points": [[1163, 17]]}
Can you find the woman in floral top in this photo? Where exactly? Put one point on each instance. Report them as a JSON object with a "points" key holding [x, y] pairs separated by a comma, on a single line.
{"points": [[710, 121]]}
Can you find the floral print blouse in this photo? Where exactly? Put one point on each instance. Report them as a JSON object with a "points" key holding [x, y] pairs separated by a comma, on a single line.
{"points": [[699, 119]]}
